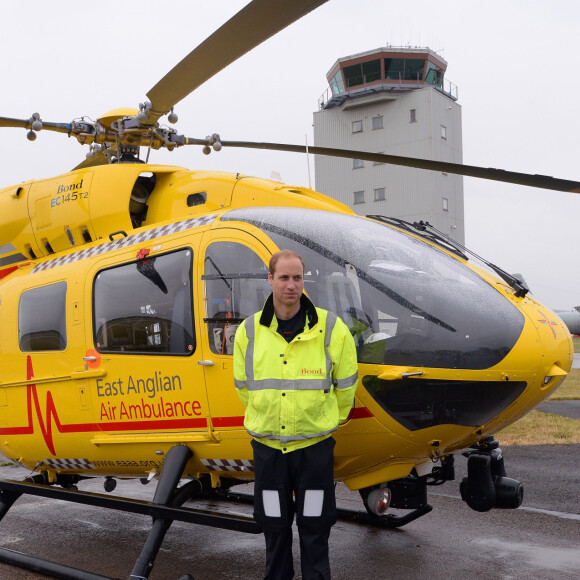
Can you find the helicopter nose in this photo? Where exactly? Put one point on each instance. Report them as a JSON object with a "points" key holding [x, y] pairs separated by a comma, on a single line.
{"points": [[556, 349]]}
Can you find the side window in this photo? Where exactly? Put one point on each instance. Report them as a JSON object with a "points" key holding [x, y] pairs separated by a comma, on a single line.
{"points": [[236, 286], [145, 306], [42, 318]]}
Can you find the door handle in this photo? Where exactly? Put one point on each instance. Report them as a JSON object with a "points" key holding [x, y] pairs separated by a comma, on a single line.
{"points": [[206, 363]]}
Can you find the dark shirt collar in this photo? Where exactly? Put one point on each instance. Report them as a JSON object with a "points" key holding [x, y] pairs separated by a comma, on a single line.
{"points": [[305, 302]]}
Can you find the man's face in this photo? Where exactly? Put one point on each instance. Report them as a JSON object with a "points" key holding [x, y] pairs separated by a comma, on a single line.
{"points": [[287, 283]]}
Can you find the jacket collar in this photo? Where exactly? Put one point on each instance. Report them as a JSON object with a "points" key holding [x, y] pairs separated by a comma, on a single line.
{"points": [[305, 302]]}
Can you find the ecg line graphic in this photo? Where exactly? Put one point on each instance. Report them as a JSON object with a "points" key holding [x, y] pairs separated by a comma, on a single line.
{"points": [[45, 421]]}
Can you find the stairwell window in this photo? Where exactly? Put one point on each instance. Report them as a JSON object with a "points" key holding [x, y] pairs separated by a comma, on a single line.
{"points": [[445, 203], [413, 115], [443, 132]]}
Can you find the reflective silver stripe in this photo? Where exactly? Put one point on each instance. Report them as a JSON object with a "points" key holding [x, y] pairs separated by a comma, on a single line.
{"points": [[346, 383], [288, 439], [289, 384], [239, 384], [249, 360], [330, 322]]}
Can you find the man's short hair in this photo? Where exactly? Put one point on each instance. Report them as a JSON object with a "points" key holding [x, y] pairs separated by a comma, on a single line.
{"points": [[283, 254]]}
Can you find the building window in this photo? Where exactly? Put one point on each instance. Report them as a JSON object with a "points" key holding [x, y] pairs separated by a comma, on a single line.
{"points": [[413, 115], [357, 163], [377, 122], [357, 127], [445, 203], [359, 197], [42, 318], [145, 306], [443, 132], [380, 194]]}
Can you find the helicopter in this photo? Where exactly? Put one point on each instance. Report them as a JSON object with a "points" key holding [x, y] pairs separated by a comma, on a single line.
{"points": [[122, 283]]}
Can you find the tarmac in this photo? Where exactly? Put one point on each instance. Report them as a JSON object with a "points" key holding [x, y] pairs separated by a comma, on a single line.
{"points": [[536, 541]]}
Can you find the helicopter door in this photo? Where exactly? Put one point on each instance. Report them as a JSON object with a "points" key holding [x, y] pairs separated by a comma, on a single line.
{"points": [[235, 285], [144, 332]]}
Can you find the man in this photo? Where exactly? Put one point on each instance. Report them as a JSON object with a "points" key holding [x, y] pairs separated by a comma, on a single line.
{"points": [[295, 369]]}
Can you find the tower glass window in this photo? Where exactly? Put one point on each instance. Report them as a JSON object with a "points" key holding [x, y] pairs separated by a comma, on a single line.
{"points": [[414, 69], [337, 84], [366, 72], [434, 76], [394, 68], [371, 71]]}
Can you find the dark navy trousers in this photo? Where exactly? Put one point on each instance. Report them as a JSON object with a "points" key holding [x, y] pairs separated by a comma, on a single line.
{"points": [[300, 482]]}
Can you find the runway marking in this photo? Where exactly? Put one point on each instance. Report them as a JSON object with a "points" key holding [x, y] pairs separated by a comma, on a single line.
{"points": [[563, 515]]}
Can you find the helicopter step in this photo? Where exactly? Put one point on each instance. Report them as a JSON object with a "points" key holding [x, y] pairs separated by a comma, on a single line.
{"points": [[165, 508]]}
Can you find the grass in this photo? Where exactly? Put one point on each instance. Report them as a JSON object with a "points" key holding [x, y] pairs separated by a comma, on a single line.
{"points": [[538, 428], [570, 389]]}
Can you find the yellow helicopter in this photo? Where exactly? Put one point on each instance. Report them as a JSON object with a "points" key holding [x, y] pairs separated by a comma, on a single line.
{"points": [[122, 283]]}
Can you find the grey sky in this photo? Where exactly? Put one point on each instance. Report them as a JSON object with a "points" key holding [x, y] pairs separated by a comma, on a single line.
{"points": [[514, 64]]}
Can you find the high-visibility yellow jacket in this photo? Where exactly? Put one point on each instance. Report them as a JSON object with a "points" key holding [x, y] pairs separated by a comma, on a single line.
{"points": [[295, 393]]}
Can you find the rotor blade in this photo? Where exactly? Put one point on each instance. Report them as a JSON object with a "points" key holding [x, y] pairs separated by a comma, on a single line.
{"points": [[251, 26], [531, 180], [8, 122], [27, 124]]}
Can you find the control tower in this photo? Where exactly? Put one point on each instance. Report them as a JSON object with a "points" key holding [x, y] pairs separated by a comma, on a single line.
{"points": [[396, 101]]}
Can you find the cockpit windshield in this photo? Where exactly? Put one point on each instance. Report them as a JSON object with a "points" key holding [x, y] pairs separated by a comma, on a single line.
{"points": [[406, 303]]}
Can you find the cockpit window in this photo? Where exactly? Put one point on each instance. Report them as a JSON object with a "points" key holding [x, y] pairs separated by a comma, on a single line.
{"points": [[405, 302], [236, 286]]}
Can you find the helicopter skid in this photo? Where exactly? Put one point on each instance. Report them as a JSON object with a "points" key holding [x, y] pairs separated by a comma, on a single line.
{"points": [[358, 516], [165, 508]]}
